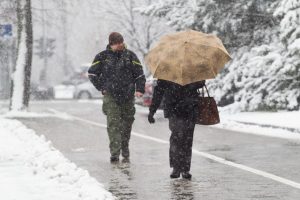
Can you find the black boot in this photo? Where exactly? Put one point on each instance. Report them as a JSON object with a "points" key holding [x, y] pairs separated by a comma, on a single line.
{"points": [[126, 160], [175, 173], [125, 150], [186, 175], [114, 159]]}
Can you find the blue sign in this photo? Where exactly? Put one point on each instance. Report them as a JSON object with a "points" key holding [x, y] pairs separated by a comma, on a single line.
{"points": [[5, 30]]}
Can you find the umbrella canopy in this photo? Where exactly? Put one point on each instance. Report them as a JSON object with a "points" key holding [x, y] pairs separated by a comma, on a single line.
{"points": [[186, 57]]}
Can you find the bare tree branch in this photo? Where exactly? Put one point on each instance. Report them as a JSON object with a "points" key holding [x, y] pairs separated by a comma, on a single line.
{"points": [[142, 31]]}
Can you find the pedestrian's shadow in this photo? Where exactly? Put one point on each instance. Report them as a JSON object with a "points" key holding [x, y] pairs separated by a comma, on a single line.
{"points": [[182, 189], [121, 184]]}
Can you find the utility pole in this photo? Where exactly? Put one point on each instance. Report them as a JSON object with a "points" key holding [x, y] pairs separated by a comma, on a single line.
{"points": [[65, 38], [45, 47], [43, 72]]}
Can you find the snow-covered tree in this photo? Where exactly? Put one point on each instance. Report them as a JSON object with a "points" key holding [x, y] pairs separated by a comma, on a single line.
{"points": [[234, 21], [265, 75], [141, 31], [178, 14], [289, 12], [263, 38], [22, 72]]}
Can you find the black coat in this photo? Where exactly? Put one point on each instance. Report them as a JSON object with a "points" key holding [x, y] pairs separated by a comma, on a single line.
{"points": [[119, 73], [179, 101]]}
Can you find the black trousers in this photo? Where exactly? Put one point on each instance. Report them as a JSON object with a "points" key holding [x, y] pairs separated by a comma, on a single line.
{"points": [[181, 142]]}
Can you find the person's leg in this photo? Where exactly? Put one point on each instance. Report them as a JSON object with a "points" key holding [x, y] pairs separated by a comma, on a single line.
{"points": [[113, 113], [187, 145], [175, 146], [128, 111]]}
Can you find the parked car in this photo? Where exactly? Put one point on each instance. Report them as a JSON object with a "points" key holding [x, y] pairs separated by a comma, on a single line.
{"points": [[38, 92], [78, 87], [83, 90], [64, 91], [148, 95], [86, 90], [149, 88]]}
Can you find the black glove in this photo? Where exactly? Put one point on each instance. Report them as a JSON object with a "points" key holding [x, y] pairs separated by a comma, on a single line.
{"points": [[151, 119]]}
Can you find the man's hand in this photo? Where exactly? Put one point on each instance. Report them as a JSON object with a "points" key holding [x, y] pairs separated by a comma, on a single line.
{"points": [[138, 94], [151, 119]]}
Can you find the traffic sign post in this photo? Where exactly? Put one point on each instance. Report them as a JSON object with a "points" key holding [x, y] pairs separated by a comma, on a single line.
{"points": [[6, 58], [44, 49]]}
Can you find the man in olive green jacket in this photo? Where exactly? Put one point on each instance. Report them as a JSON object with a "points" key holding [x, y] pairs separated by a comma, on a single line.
{"points": [[118, 74]]}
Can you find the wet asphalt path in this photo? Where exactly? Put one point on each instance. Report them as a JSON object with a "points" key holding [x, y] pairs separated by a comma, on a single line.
{"points": [[84, 141]]}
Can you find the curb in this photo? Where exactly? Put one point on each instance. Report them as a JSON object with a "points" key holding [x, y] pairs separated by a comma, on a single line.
{"points": [[295, 130]]}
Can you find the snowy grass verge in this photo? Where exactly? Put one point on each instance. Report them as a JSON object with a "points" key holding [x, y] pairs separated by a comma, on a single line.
{"points": [[25, 114], [273, 124], [32, 169], [278, 119]]}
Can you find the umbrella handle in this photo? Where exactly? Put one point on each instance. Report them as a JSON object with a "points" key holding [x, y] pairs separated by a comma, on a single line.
{"points": [[206, 91]]}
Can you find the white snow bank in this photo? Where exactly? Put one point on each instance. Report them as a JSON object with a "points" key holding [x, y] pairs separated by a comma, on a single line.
{"points": [[32, 169], [258, 130], [280, 119], [26, 114], [274, 124]]}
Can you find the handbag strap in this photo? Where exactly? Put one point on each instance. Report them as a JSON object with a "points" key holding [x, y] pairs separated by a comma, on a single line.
{"points": [[206, 91]]}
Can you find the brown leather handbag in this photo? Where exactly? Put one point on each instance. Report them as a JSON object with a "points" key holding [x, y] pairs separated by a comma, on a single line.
{"points": [[208, 110]]}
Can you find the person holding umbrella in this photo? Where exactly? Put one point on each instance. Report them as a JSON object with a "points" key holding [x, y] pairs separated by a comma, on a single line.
{"points": [[182, 62], [181, 109]]}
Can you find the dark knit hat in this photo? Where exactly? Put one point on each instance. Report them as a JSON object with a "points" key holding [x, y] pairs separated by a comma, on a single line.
{"points": [[115, 38]]}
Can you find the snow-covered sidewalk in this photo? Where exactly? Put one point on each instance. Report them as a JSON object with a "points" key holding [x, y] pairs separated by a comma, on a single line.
{"points": [[274, 124], [32, 169]]}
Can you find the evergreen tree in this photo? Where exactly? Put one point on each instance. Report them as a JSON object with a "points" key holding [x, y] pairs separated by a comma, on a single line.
{"points": [[289, 12]]}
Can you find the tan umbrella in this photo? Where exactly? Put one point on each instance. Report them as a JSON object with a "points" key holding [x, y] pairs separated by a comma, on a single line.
{"points": [[186, 57]]}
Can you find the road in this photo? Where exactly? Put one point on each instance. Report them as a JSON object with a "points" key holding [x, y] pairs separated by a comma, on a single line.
{"points": [[226, 165]]}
